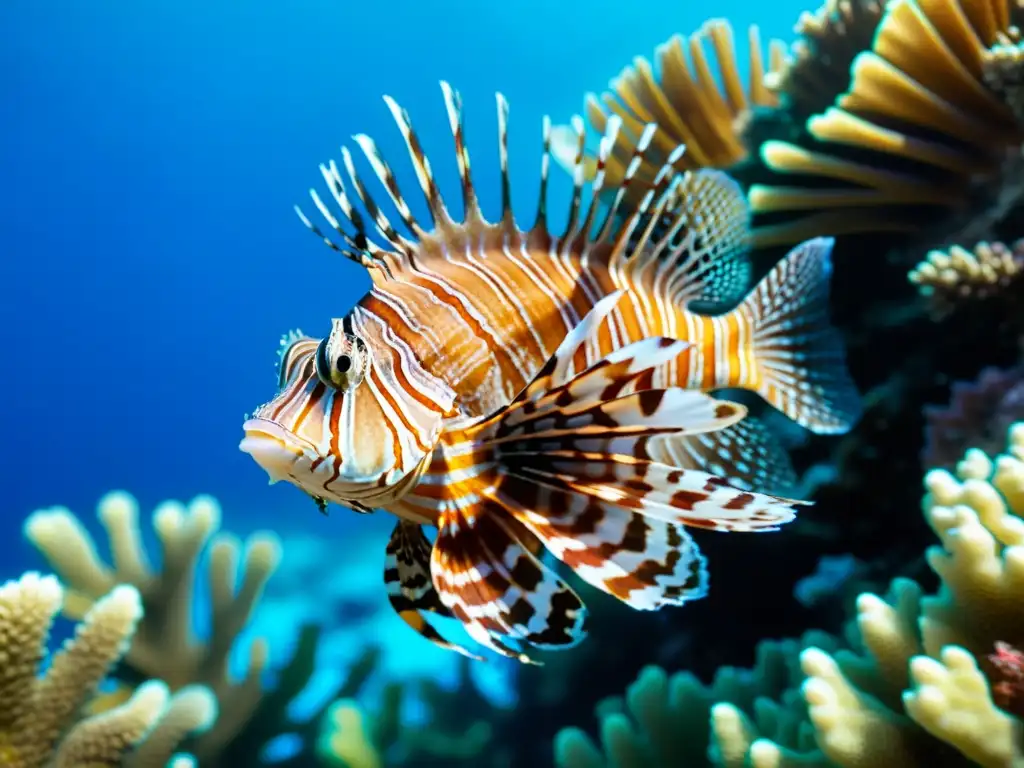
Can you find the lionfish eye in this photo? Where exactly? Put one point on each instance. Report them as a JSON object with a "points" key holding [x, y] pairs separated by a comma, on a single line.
{"points": [[344, 371]]}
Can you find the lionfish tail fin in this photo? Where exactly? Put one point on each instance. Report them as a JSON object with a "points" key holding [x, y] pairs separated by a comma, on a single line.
{"points": [[799, 356], [569, 460]]}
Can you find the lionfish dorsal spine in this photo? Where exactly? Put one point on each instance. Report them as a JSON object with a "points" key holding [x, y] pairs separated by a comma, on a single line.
{"points": [[604, 151], [387, 180], [453, 105], [383, 247], [577, 180], [540, 224], [435, 202], [627, 179], [380, 221], [506, 184]]}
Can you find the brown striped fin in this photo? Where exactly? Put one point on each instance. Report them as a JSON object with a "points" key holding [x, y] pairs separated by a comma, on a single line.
{"points": [[485, 571], [409, 587], [374, 240], [746, 455], [567, 464]]}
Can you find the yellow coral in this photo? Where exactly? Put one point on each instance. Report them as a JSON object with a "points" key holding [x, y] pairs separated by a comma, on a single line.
{"points": [[164, 647], [346, 739], [913, 695], [917, 137], [681, 96], [39, 722], [946, 278]]}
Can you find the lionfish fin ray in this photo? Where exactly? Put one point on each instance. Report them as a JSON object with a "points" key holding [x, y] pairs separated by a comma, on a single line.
{"points": [[745, 454], [568, 459], [486, 573], [799, 356], [409, 587], [372, 240]]}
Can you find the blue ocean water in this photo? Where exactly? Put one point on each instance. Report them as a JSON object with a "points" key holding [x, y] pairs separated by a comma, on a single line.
{"points": [[150, 155]]}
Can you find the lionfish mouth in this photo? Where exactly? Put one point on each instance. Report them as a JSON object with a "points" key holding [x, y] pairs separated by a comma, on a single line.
{"points": [[274, 448]]}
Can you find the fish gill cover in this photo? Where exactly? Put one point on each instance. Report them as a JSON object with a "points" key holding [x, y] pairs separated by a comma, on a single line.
{"points": [[831, 266]]}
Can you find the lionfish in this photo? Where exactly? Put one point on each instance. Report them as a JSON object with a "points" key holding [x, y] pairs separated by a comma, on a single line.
{"points": [[524, 392]]}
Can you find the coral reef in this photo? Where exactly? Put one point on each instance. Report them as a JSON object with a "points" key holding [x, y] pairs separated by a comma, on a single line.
{"points": [[40, 722], [917, 140], [978, 415], [682, 97], [164, 647], [916, 686], [161, 650], [818, 66], [948, 278]]}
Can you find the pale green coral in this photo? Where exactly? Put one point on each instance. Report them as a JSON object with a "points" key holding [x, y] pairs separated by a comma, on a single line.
{"points": [[910, 693]]}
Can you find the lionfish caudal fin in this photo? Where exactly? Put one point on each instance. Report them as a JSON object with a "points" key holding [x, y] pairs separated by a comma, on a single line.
{"points": [[799, 357], [694, 249], [370, 238], [566, 464]]}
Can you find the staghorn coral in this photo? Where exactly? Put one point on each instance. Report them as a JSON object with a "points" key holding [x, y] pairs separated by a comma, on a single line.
{"points": [[683, 98], [39, 716], [916, 690], [164, 647], [818, 67], [948, 278], [917, 140]]}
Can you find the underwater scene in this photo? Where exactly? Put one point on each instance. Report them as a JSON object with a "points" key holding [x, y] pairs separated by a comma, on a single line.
{"points": [[529, 385]]}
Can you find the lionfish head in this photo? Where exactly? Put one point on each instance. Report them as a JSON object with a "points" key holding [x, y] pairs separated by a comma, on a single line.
{"points": [[344, 425]]}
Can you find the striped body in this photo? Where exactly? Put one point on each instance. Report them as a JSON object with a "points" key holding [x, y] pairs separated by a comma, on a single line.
{"points": [[495, 317]]}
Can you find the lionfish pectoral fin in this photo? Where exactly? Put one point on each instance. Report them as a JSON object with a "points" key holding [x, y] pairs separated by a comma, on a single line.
{"points": [[486, 574], [409, 587], [570, 462], [747, 455], [799, 356]]}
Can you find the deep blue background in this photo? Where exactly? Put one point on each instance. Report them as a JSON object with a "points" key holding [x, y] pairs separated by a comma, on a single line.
{"points": [[150, 155]]}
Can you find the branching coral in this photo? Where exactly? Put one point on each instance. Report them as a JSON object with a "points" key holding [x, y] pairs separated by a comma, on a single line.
{"points": [[683, 98], [828, 40], [354, 737], [947, 278], [918, 689], [918, 135], [39, 716], [164, 647]]}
